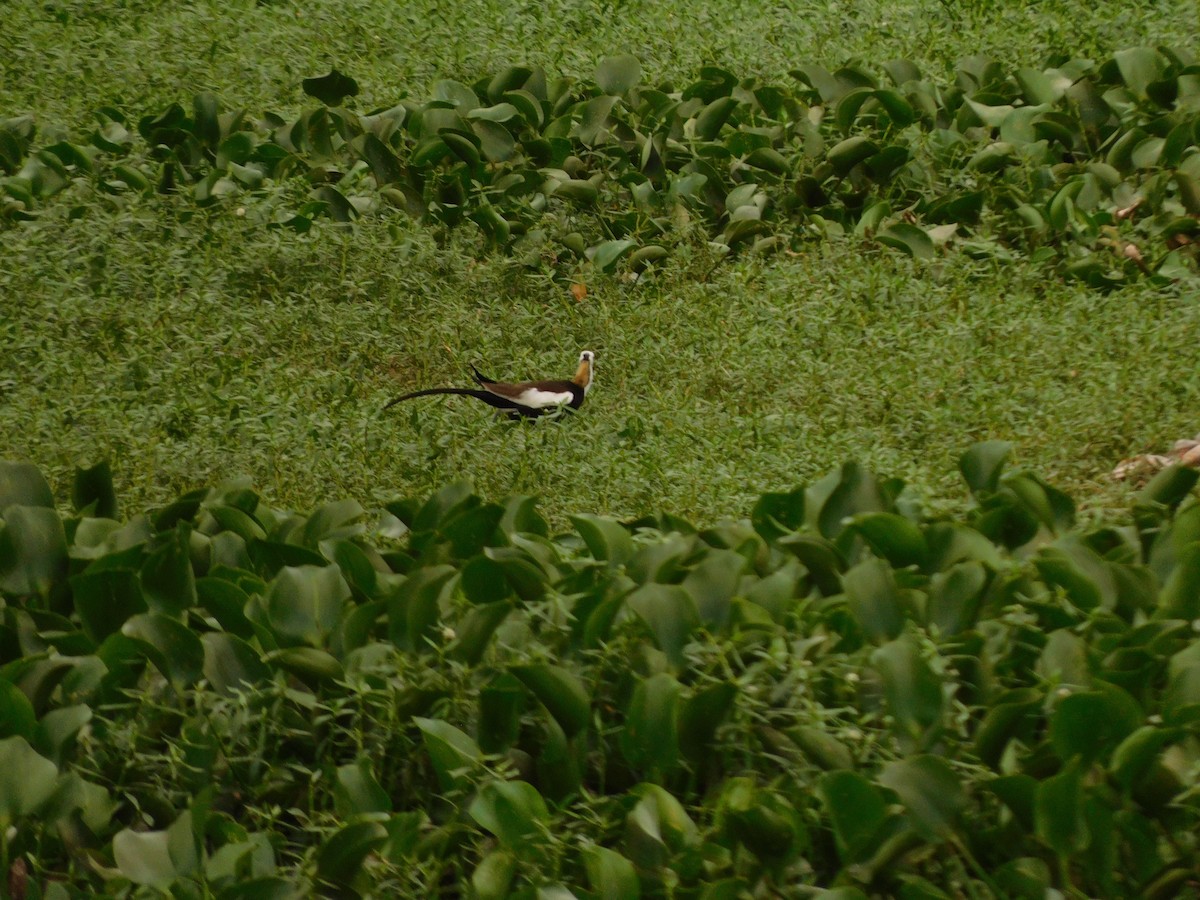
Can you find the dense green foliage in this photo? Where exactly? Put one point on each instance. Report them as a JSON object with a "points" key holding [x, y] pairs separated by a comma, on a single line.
{"points": [[1093, 165], [222, 698]]}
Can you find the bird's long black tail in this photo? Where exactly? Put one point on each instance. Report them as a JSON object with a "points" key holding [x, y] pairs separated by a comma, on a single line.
{"points": [[488, 398]]}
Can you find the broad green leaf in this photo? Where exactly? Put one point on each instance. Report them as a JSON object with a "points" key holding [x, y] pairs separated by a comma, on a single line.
{"points": [[92, 492], [954, 598], [617, 74], [168, 583], [561, 692], [230, 664], [913, 692], [1088, 724], [33, 550], [856, 491], [22, 484], [1058, 811], [1064, 660], [701, 715], [610, 874], [650, 738], [452, 751], [475, 631], [357, 791], [17, 717], [385, 166], [512, 811], [27, 780], [845, 155], [874, 599], [414, 609], [1139, 68], [604, 257], [930, 791], [493, 876], [309, 664], [144, 857], [713, 117], [1133, 757], [713, 583], [105, 600], [606, 539], [907, 238], [982, 465], [856, 810], [671, 615], [340, 857], [330, 89], [895, 538], [174, 649], [305, 603]]}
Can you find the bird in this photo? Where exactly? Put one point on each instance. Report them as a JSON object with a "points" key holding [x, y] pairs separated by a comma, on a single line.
{"points": [[523, 399]]}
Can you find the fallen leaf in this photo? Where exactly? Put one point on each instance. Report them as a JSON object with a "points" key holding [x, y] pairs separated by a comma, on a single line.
{"points": [[578, 291]]}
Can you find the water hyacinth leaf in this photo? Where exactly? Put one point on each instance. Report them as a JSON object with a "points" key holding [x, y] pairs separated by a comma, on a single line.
{"points": [[856, 810], [910, 239], [168, 583], [453, 753], [304, 603], [16, 712], [27, 780], [650, 739], [606, 539], [1087, 724], [1059, 818], [874, 599], [33, 550], [22, 484], [930, 791], [1169, 487], [330, 89], [105, 600], [895, 538], [144, 857], [671, 615], [593, 116], [856, 490], [414, 609], [561, 692], [954, 597], [606, 254], [821, 558], [310, 665], [231, 664], [358, 791], [174, 649], [510, 810], [92, 492], [777, 514], [982, 465], [913, 691], [617, 74], [493, 876], [611, 875], [846, 154], [713, 117], [713, 583], [476, 629], [341, 856], [701, 715]]}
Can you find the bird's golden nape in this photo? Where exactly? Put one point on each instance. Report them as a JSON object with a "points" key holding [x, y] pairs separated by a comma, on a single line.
{"points": [[522, 399], [586, 370]]}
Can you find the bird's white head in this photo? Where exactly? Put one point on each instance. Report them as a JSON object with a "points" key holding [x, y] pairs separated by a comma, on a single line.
{"points": [[585, 372]]}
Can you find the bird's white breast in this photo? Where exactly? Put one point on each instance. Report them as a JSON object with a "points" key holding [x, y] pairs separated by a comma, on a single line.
{"points": [[535, 399]]}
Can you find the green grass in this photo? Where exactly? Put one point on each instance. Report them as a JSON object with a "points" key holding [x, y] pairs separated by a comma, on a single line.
{"points": [[190, 346]]}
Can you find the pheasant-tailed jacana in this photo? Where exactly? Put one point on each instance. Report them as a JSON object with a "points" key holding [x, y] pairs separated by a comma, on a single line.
{"points": [[528, 399]]}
